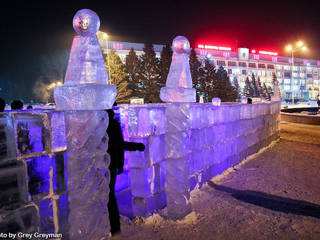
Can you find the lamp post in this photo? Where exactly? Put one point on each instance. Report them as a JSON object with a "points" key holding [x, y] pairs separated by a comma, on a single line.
{"points": [[106, 37], [299, 46]]}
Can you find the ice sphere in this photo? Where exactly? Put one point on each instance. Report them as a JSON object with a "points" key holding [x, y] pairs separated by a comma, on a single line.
{"points": [[179, 82], [8, 152], [86, 22], [216, 102], [32, 134], [14, 188], [86, 81]]}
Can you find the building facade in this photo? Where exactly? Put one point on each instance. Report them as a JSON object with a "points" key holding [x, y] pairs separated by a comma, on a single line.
{"points": [[244, 62]]}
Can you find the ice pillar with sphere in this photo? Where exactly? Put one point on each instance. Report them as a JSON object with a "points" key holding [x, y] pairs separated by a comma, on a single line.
{"points": [[84, 96], [179, 94], [179, 82]]}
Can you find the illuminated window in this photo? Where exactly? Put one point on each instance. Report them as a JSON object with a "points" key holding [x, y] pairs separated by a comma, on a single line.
{"points": [[232, 64], [260, 65], [269, 73], [302, 82], [287, 87], [295, 68], [254, 72], [279, 74], [270, 66], [316, 82], [242, 64], [302, 75], [309, 75], [221, 63], [252, 65], [279, 67], [287, 67], [287, 81]]}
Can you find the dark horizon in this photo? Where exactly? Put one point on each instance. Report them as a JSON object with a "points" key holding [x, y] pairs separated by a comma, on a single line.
{"points": [[34, 31]]}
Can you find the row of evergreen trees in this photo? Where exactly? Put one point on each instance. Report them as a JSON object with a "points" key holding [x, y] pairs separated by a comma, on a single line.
{"points": [[254, 88], [143, 76]]}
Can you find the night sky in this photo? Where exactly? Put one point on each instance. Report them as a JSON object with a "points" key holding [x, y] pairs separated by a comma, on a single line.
{"points": [[34, 34]]}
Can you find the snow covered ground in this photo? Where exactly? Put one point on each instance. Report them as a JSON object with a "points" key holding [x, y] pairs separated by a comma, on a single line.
{"points": [[273, 195]]}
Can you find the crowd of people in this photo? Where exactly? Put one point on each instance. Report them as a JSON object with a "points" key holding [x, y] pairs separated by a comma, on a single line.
{"points": [[15, 105]]}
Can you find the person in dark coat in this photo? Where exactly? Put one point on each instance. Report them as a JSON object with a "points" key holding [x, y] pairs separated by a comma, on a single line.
{"points": [[318, 101], [16, 105], [116, 148], [2, 105]]}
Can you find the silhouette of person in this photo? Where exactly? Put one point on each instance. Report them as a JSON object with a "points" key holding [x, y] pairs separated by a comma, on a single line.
{"points": [[249, 100], [318, 101], [2, 105], [16, 105], [116, 147], [29, 107]]}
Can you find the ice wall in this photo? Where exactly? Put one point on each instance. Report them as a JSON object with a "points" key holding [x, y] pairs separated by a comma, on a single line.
{"points": [[186, 145]]}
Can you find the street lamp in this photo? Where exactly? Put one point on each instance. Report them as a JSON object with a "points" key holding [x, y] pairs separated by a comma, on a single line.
{"points": [[299, 46], [105, 37]]}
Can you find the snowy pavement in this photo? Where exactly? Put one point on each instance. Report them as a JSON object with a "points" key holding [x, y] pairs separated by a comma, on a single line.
{"points": [[273, 195]]}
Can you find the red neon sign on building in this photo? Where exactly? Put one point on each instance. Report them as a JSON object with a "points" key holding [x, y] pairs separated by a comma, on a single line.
{"points": [[264, 52], [214, 47]]}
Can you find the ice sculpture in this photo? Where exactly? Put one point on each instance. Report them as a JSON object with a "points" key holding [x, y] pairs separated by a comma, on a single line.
{"points": [[86, 81], [276, 96], [179, 82], [86, 88]]}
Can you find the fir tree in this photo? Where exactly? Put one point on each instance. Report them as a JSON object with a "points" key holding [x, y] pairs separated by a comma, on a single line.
{"points": [[260, 88], [269, 92], [132, 69], [222, 87], [150, 75], [255, 86], [196, 73], [275, 82], [237, 87], [248, 89], [265, 91], [166, 57], [209, 74], [118, 77]]}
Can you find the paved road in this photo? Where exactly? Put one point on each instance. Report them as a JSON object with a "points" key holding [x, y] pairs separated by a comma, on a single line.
{"points": [[275, 195]]}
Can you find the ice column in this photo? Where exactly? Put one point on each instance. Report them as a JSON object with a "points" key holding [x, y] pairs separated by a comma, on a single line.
{"points": [[86, 88], [276, 96], [179, 82], [178, 93]]}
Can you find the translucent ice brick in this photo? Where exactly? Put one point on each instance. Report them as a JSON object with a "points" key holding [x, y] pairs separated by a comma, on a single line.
{"points": [[7, 140], [33, 134]]}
